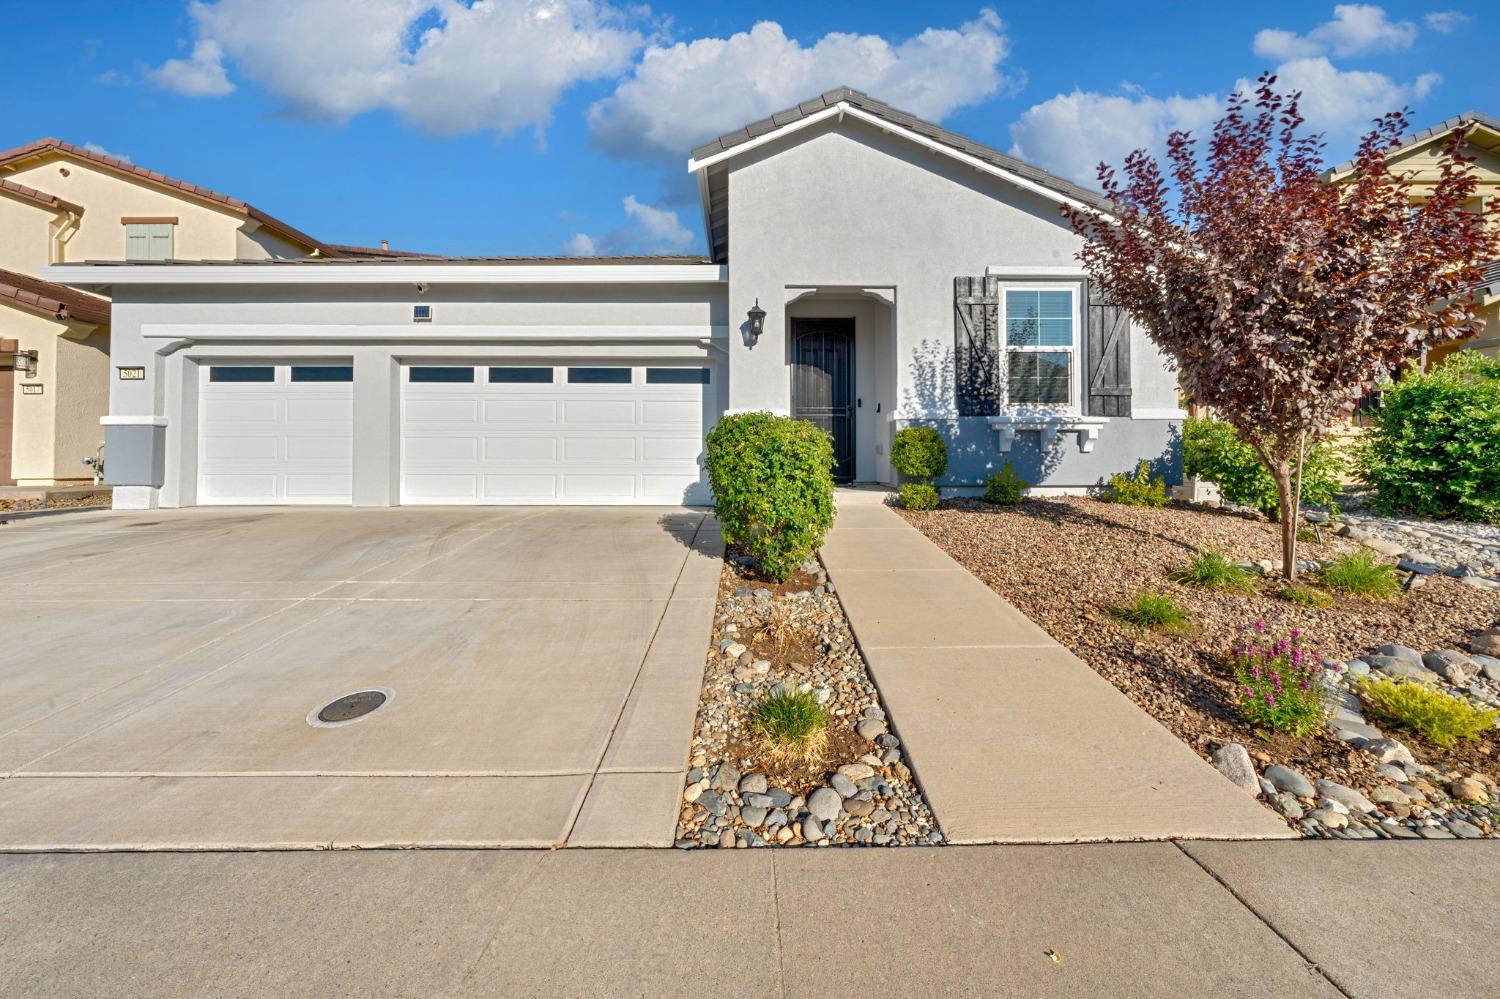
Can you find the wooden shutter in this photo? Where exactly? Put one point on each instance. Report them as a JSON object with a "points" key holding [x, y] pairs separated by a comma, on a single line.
{"points": [[1108, 347], [137, 245], [976, 346], [159, 236]]}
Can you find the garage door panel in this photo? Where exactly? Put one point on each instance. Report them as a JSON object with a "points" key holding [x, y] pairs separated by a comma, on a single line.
{"points": [[538, 411], [674, 449], [442, 488], [672, 412], [239, 446], [318, 410], [578, 485], [612, 412], [520, 448], [599, 449], [326, 449], [432, 448], [457, 411], [239, 409], [319, 487], [226, 487], [514, 488]]}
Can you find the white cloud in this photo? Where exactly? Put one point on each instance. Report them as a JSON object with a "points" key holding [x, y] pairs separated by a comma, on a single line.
{"points": [[200, 75], [94, 147], [444, 65], [1445, 22], [1356, 28], [681, 95], [1070, 133], [651, 230], [1344, 102]]}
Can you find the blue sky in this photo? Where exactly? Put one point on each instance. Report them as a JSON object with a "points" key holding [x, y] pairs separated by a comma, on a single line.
{"points": [[548, 126]]}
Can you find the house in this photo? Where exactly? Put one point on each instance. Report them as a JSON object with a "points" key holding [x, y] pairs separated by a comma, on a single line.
{"points": [[1420, 156], [60, 203], [866, 270]]}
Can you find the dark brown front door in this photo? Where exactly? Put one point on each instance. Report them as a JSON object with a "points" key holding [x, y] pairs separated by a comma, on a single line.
{"points": [[823, 384]]}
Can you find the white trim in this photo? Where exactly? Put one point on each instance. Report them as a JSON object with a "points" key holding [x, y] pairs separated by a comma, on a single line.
{"points": [[1074, 405], [1159, 414], [132, 421], [694, 164], [99, 275], [1036, 270], [425, 333], [1086, 427]]}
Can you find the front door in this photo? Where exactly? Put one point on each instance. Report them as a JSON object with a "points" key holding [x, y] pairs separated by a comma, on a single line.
{"points": [[823, 384]]}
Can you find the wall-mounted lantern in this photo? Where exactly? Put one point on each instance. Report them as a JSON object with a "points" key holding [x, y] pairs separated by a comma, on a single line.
{"points": [[757, 317]]}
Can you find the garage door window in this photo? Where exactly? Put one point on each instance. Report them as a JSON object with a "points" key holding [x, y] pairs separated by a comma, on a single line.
{"points": [[599, 376], [526, 376], [676, 376], [441, 374], [322, 373], [238, 373]]}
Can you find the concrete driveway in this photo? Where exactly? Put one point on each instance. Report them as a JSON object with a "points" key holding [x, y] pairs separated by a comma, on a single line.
{"points": [[160, 668]]}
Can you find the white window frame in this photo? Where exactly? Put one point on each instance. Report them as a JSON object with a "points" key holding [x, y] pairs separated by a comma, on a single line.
{"points": [[1072, 406], [144, 230]]}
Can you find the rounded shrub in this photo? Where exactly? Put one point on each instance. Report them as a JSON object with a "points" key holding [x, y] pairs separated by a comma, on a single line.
{"points": [[1211, 450], [772, 479], [1005, 487], [919, 453], [1434, 447], [919, 496]]}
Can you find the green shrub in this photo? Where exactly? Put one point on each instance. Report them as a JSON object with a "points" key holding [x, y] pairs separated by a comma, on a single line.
{"points": [[919, 496], [1149, 609], [1211, 450], [1360, 574], [1139, 489], [1214, 571], [1440, 718], [1005, 487], [919, 453], [772, 478], [1278, 684], [1433, 446], [792, 726], [1304, 596]]}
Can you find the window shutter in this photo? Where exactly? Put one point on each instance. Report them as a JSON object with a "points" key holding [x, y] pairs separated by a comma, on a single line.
{"points": [[976, 346], [137, 246], [1108, 346], [160, 236]]}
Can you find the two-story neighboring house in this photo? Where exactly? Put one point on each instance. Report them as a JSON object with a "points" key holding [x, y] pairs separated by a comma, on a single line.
{"points": [[61, 203]]}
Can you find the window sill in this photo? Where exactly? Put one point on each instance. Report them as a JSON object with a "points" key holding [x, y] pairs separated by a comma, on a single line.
{"points": [[1050, 425]]}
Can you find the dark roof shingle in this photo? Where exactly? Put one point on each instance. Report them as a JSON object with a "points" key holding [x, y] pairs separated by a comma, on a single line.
{"points": [[41, 198], [50, 299]]}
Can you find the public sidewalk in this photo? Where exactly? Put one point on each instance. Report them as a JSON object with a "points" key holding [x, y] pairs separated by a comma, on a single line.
{"points": [[1131, 919], [1014, 738]]}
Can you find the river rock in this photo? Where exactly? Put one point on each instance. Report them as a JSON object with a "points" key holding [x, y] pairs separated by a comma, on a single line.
{"points": [[1233, 761]]}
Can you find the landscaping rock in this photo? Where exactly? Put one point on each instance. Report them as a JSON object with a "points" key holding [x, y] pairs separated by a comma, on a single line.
{"points": [[1489, 665], [843, 785], [859, 807], [1387, 795], [1287, 804], [857, 771], [1469, 789], [1233, 761], [811, 830], [1287, 779], [753, 815], [1391, 666], [1487, 643], [825, 804], [1451, 665], [1346, 796], [1464, 830], [1329, 818], [1388, 751], [1358, 667], [871, 729], [753, 784]]}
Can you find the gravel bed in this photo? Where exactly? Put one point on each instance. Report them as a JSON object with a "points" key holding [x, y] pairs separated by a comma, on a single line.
{"points": [[56, 503], [794, 636], [1066, 562]]}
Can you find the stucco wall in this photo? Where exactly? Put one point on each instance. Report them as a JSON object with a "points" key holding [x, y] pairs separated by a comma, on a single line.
{"points": [[24, 235]]}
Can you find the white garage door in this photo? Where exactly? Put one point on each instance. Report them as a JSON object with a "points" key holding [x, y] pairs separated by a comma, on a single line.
{"points": [[509, 432], [276, 433]]}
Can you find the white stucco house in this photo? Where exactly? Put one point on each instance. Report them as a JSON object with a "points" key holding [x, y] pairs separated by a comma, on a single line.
{"points": [[906, 275]]}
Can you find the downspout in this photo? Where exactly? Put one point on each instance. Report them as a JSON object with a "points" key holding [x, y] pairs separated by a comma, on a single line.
{"points": [[64, 227]]}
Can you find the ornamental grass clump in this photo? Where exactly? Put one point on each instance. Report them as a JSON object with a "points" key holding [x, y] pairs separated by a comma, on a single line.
{"points": [[1279, 684], [1304, 596], [1440, 718], [792, 727], [1359, 574], [1149, 609], [1214, 571]]}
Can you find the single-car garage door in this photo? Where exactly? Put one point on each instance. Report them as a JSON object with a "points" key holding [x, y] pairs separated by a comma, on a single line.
{"points": [[276, 433], [512, 432]]}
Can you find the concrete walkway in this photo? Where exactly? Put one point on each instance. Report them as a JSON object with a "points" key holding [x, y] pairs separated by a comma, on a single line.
{"points": [[1205, 920], [1014, 739]]}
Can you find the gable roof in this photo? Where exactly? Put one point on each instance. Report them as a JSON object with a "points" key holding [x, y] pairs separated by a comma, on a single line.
{"points": [[40, 198], [1442, 128], [48, 299], [43, 147], [894, 119]]}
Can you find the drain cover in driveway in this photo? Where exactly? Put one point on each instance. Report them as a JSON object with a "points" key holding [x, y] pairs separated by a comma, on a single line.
{"points": [[352, 706]]}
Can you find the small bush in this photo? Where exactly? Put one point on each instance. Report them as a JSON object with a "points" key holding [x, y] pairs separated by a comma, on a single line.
{"points": [[1431, 450], [1214, 571], [792, 726], [919, 496], [1304, 596], [1359, 574], [1211, 450], [1005, 487], [1149, 609], [919, 453], [1279, 684], [1139, 489], [1440, 718], [772, 478]]}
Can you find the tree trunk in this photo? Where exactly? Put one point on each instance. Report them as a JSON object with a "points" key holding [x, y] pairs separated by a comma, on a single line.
{"points": [[1286, 504]]}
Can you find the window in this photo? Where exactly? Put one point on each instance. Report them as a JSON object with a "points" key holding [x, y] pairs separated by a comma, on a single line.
{"points": [[521, 376], [148, 240], [440, 374], [676, 376], [1039, 347], [599, 376], [322, 373], [239, 373], [421, 313]]}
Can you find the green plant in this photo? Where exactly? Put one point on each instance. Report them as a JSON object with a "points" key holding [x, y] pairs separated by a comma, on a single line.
{"points": [[792, 726], [1149, 609], [772, 479], [1440, 718], [1279, 684], [1431, 449], [1212, 450], [1005, 487], [1214, 571], [1360, 574], [919, 496], [1304, 596], [919, 453], [1139, 489]]}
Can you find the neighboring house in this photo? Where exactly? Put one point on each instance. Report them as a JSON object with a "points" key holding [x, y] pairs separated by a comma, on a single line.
{"points": [[896, 274], [61, 203]]}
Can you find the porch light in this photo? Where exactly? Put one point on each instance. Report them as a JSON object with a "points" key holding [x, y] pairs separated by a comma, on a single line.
{"points": [[757, 320]]}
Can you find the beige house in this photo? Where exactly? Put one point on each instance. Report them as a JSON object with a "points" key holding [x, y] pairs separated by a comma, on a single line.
{"points": [[61, 203]]}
